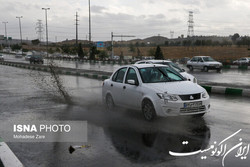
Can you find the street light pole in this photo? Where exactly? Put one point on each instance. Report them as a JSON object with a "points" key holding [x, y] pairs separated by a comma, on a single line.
{"points": [[19, 18], [89, 23], [90, 45], [46, 30], [6, 32]]}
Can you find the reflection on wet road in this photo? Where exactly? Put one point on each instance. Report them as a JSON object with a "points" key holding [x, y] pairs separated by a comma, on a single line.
{"points": [[229, 78], [154, 145], [122, 137]]}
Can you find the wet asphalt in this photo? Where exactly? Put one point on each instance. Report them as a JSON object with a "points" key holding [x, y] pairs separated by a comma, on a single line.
{"points": [[235, 78], [120, 138]]}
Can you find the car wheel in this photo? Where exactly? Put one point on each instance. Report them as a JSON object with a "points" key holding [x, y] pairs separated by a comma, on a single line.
{"points": [[219, 70], [206, 69], [191, 68], [109, 103], [148, 110]]}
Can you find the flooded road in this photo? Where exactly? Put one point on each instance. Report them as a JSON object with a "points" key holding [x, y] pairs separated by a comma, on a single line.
{"points": [[122, 137]]}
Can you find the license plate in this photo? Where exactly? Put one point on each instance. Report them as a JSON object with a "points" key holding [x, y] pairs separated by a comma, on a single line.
{"points": [[193, 104]]}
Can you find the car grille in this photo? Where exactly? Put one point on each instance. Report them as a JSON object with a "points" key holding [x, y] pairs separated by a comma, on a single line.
{"points": [[194, 109], [190, 97]]}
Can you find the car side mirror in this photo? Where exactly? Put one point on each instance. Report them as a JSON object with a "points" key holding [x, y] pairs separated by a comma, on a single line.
{"points": [[132, 82]]}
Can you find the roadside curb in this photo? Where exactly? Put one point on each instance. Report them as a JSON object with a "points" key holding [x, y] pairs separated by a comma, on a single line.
{"points": [[241, 67], [227, 91], [7, 157]]}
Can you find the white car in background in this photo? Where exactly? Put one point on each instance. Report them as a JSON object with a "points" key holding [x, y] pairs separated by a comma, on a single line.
{"points": [[156, 90], [243, 60], [204, 63], [1, 57], [189, 77]]}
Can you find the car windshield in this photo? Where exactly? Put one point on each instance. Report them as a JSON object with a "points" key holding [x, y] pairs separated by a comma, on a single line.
{"points": [[208, 59], [159, 74], [172, 65]]}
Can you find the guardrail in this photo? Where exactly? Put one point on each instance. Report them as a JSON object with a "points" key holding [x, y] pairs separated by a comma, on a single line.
{"points": [[102, 75]]}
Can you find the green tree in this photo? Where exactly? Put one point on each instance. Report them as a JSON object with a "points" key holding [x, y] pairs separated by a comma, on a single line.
{"points": [[235, 37], [58, 49], [158, 53], [143, 44], [131, 47], [93, 52], [187, 43], [35, 41], [16, 47], [80, 51], [51, 51], [166, 43], [103, 54]]}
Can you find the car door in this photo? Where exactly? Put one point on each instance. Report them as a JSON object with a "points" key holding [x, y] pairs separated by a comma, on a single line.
{"points": [[116, 86], [132, 94], [194, 62], [200, 63]]}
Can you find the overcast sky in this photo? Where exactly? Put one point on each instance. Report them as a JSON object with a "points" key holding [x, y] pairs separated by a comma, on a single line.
{"points": [[141, 18]]}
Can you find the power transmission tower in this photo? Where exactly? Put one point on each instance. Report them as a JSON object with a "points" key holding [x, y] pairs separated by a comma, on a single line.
{"points": [[172, 34], [191, 24], [39, 29], [76, 28]]}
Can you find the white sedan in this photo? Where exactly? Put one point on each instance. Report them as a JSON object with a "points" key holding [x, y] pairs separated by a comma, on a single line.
{"points": [[156, 90], [243, 60]]}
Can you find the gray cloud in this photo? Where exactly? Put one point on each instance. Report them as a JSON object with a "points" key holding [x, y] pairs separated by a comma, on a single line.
{"points": [[141, 17], [98, 9]]}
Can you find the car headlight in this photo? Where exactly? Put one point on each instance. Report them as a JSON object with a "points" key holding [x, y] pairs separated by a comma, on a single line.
{"points": [[167, 96], [204, 94]]}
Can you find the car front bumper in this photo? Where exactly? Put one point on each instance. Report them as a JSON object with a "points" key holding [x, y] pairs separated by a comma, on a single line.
{"points": [[175, 108]]}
